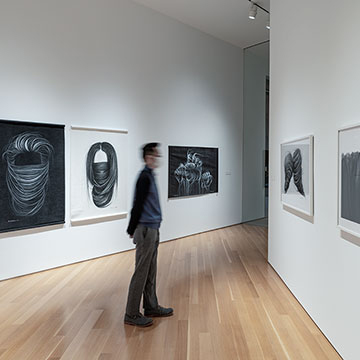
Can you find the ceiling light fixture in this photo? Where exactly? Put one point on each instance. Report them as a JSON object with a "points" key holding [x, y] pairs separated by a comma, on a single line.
{"points": [[253, 12]]}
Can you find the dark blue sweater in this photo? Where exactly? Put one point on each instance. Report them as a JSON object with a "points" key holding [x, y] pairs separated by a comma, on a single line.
{"points": [[146, 208]]}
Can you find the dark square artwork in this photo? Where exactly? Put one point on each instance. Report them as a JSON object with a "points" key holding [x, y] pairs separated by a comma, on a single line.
{"points": [[32, 175], [192, 171]]}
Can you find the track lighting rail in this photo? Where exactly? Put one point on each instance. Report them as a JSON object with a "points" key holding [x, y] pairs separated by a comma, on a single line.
{"points": [[259, 6]]}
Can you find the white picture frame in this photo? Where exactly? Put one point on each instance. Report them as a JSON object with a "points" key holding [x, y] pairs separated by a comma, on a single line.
{"points": [[85, 206], [348, 176], [297, 174]]}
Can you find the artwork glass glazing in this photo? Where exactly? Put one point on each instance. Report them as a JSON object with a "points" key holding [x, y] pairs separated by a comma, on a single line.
{"points": [[98, 173], [297, 175], [192, 171], [32, 175], [349, 180]]}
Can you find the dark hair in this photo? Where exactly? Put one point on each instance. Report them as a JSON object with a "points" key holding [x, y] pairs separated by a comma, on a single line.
{"points": [[149, 149], [102, 176], [27, 183]]}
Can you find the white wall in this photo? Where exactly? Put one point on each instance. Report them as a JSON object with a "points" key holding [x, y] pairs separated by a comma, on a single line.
{"points": [[256, 69], [315, 76], [116, 64]]}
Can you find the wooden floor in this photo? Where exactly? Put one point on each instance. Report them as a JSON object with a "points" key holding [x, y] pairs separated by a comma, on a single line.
{"points": [[229, 304]]}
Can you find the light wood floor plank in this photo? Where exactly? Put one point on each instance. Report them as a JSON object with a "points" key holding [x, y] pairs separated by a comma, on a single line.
{"points": [[229, 304]]}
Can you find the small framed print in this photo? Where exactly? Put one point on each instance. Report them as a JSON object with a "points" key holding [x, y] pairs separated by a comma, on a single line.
{"points": [[349, 179], [297, 174]]}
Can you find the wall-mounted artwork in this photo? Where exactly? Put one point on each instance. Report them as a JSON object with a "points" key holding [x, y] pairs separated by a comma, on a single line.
{"points": [[32, 175], [349, 180], [297, 174], [98, 173], [192, 171]]}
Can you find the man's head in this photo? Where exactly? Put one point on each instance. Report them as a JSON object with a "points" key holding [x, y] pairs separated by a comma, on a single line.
{"points": [[151, 155]]}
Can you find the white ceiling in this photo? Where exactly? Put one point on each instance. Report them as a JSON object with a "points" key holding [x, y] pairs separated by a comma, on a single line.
{"points": [[224, 19]]}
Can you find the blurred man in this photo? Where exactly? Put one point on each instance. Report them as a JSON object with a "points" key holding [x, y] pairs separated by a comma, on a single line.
{"points": [[144, 229]]}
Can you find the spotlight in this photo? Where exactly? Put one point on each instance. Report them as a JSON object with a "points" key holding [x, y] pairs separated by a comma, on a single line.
{"points": [[253, 11]]}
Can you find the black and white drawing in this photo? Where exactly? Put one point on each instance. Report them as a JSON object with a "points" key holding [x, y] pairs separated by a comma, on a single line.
{"points": [[98, 173], [27, 157], [350, 186], [297, 175], [349, 180], [192, 171], [293, 171], [102, 176], [32, 175]]}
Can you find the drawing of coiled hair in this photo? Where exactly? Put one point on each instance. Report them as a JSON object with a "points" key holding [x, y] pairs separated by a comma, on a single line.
{"points": [[293, 168], [27, 182], [102, 176]]}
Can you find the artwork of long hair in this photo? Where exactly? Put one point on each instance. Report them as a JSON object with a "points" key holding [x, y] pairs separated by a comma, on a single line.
{"points": [[102, 176], [28, 157]]}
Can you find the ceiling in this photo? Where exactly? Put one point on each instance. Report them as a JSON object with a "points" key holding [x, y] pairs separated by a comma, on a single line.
{"points": [[227, 20]]}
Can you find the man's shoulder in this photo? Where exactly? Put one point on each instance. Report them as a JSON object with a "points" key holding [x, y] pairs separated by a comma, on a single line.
{"points": [[144, 176], [144, 172]]}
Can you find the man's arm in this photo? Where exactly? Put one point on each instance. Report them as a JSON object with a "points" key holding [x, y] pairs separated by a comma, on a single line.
{"points": [[141, 192]]}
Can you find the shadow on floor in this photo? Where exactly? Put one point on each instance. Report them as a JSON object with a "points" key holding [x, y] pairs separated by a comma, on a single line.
{"points": [[259, 222]]}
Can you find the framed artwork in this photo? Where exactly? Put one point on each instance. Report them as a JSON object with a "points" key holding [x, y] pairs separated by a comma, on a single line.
{"points": [[297, 175], [349, 180], [192, 171], [32, 175], [98, 173]]}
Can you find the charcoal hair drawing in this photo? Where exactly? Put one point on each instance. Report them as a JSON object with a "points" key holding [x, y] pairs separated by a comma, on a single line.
{"points": [[190, 177], [192, 171], [293, 169], [102, 176], [288, 165], [32, 175], [350, 186], [28, 157]]}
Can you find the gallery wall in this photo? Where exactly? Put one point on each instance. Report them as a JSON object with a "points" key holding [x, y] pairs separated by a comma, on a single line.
{"points": [[314, 91], [256, 69], [116, 64]]}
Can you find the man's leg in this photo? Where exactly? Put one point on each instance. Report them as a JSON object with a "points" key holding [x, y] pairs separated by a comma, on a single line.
{"points": [[151, 305], [150, 298], [144, 254]]}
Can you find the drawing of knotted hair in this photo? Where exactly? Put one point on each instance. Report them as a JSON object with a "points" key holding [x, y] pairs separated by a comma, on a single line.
{"points": [[102, 176], [293, 168], [190, 176], [206, 181], [28, 158]]}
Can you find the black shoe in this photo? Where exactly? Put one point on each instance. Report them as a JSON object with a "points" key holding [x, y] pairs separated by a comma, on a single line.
{"points": [[159, 312], [137, 320]]}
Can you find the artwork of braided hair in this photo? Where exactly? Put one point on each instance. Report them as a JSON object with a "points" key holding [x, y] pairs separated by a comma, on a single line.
{"points": [[102, 177], [28, 157], [288, 165], [190, 176], [293, 169]]}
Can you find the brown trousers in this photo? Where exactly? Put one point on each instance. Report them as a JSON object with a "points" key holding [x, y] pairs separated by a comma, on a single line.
{"points": [[143, 281]]}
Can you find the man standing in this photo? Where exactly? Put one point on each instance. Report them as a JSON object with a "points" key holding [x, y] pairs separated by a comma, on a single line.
{"points": [[144, 229]]}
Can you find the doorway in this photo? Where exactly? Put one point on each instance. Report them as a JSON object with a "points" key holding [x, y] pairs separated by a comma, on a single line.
{"points": [[256, 133]]}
